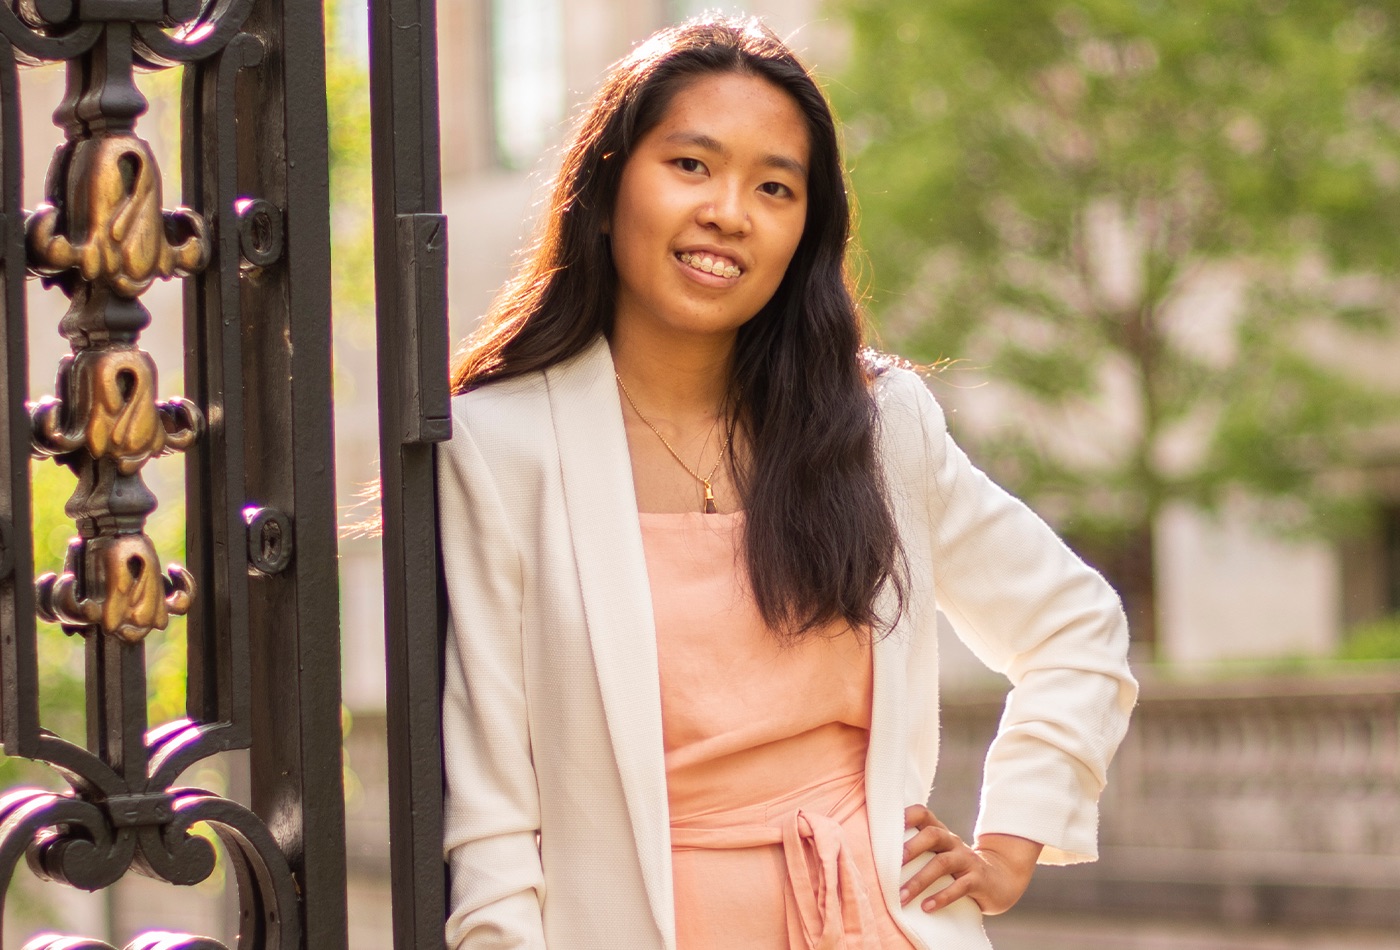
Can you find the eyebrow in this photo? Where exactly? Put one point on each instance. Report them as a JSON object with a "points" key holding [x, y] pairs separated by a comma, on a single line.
{"points": [[710, 143]]}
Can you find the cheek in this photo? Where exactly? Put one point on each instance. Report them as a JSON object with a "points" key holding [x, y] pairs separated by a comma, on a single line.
{"points": [[634, 231], [628, 251]]}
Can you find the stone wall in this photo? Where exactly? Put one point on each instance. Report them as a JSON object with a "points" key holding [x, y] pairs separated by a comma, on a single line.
{"points": [[1261, 801]]}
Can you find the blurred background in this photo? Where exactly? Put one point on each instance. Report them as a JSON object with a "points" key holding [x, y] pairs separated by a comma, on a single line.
{"points": [[1149, 254]]}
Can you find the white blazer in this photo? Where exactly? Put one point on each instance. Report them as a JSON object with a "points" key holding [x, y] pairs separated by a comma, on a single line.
{"points": [[556, 815]]}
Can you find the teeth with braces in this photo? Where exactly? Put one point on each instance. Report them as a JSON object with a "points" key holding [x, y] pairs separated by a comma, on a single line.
{"points": [[709, 265]]}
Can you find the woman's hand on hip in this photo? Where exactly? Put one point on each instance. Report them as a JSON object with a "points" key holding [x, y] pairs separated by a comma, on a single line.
{"points": [[994, 873]]}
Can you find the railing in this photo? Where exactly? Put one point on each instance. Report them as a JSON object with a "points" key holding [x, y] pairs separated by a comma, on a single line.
{"points": [[1271, 800]]}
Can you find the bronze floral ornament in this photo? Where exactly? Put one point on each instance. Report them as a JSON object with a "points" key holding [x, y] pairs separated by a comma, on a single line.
{"points": [[135, 598], [117, 232], [112, 412], [103, 237]]}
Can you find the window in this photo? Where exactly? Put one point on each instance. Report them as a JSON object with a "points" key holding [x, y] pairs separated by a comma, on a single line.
{"points": [[527, 72]]}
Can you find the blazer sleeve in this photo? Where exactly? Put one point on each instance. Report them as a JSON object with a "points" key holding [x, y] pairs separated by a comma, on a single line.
{"points": [[1029, 608], [491, 808]]}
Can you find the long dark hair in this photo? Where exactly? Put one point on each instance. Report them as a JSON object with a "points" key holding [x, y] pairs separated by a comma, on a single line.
{"points": [[820, 539]]}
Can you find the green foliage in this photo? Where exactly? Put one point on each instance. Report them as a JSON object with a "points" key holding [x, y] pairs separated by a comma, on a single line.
{"points": [[1378, 640], [1145, 222], [352, 242]]}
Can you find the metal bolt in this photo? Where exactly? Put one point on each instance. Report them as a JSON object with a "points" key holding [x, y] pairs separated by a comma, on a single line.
{"points": [[259, 231], [269, 540]]}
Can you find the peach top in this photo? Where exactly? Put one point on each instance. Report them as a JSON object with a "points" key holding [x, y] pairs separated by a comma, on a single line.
{"points": [[765, 758]]}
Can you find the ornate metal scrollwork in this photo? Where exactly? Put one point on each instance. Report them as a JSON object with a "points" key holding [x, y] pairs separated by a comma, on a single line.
{"points": [[151, 940], [102, 237], [135, 597], [120, 235], [112, 412]]}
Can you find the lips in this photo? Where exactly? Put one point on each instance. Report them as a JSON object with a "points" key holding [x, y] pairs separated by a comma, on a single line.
{"points": [[710, 263]]}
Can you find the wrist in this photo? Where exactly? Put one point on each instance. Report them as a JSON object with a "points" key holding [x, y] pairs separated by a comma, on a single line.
{"points": [[1014, 852]]}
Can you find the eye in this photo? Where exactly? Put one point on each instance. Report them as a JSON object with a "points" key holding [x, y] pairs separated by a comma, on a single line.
{"points": [[776, 189], [692, 165]]}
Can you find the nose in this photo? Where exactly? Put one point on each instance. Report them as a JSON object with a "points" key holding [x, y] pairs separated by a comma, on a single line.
{"points": [[726, 211]]}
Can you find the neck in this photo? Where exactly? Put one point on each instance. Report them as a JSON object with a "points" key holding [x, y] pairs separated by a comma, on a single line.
{"points": [[674, 378]]}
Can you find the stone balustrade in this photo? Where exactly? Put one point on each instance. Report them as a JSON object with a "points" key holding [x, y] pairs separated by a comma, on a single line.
{"points": [[1263, 800]]}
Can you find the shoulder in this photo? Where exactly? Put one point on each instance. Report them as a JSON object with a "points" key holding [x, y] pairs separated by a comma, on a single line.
{"points": [[504, 427], [495, 405], [518, 413], [904, 403]]}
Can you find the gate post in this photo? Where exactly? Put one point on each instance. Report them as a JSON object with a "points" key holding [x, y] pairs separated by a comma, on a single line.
{"points": [[410, 254]]}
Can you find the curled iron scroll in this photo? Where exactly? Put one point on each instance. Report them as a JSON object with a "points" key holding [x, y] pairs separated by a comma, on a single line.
{"points": [[151, 940], [66, 839]]}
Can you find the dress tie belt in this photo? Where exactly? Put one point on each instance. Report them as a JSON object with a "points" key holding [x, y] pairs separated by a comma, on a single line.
{"points": [[828, 904]]}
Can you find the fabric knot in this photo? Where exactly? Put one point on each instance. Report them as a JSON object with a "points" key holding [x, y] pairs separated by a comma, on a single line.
{"points": [[827, 901]]}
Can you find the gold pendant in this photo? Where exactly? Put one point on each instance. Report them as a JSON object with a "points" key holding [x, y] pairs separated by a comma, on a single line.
{"points": [[710, 508]]}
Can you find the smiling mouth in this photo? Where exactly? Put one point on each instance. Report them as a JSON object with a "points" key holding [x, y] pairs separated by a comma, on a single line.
{"points": [[719, 267]]}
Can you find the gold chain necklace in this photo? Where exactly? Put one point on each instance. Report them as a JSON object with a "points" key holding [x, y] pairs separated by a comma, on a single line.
{"points": [[709, 507]]}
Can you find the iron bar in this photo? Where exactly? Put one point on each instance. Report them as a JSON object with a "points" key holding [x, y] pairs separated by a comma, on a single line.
{"points": [[293, 617], [411, 315]]}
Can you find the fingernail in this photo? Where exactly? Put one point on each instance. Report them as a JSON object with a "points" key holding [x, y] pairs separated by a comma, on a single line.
{"points": [[930, 904], [904, 895]]}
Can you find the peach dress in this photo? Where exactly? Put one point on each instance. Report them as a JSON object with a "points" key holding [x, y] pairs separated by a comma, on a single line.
{"points": [[765, 758]]}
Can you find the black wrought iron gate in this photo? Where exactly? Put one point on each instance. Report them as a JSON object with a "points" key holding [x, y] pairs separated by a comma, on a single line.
{"points": [[251, 243]]}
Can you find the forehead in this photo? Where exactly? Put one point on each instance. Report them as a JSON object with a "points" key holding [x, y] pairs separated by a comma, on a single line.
{"points": [[739, 111]]}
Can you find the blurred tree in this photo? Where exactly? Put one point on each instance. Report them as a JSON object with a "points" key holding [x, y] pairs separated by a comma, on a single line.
{"points": [[1141, 222]]}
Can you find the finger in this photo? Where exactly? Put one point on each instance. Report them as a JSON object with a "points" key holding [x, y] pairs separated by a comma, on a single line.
{"points": [[925, 877], [918, 816], [955, 891], [934, 839], [920, 842], [957, 862]]}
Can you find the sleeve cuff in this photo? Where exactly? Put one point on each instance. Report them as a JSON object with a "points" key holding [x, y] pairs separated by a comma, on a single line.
{"points": [[1066, 824]]}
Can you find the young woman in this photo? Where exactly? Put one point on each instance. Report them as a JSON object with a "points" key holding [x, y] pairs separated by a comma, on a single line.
{"points": [[694, 539]]}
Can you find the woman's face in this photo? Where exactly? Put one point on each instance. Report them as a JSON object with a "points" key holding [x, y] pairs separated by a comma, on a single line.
{"points": [[710, 208]]}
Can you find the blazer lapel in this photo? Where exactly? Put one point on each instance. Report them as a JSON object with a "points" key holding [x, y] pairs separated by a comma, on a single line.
{"points": [[884, 764], [889, 713], [602, 511]]}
